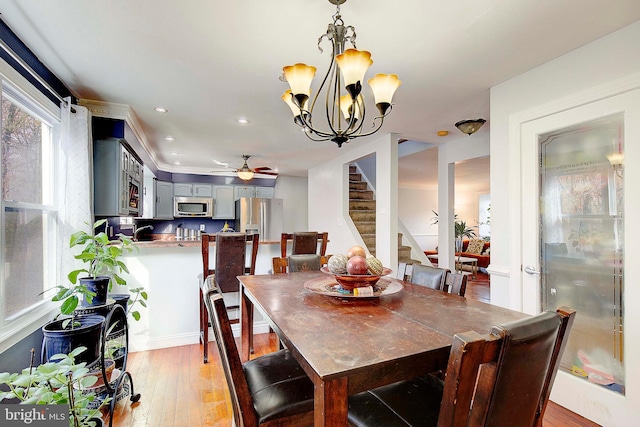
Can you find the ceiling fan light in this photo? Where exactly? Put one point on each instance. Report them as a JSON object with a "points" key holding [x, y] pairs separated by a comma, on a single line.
{"points": [[245, 175], [354, 64], [470, 126], [384, 86], [299, 77]]}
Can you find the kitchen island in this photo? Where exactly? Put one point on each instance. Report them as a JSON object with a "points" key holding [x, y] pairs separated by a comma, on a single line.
{"points": [[171, 272]]}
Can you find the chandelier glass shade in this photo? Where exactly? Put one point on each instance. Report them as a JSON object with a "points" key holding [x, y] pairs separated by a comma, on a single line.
{"points": [[342, 87]]}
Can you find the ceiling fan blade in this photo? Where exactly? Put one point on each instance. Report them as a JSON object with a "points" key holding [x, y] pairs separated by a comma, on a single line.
{"points": [[263, 168], [263, 172]]}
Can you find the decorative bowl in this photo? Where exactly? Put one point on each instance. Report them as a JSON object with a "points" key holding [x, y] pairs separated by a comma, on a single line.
{"points": [[351, 281]]}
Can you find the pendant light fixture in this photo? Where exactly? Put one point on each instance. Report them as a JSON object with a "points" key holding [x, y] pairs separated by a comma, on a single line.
{"points": [[470, 126], [342, 88]]}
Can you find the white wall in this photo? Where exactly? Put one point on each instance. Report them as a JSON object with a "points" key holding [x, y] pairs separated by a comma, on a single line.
{"points": [[572, 80], [415, 209], [294, 192]]}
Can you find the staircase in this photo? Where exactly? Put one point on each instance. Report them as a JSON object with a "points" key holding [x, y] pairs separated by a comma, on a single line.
{"points": [[362, 210]]}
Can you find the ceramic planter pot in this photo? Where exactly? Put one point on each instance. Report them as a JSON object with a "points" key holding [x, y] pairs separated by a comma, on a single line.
{"points": [[98, 285], [86, 333]]}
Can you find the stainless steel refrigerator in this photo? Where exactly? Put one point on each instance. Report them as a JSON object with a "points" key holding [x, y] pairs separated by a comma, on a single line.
{"points": [[262, 216]]}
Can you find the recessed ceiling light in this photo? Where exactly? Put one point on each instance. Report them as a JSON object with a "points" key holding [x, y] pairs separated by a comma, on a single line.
{"points": [[161, 110], [443, 132], [177, 163], [243, 121], [173, 153], [169, 138]]}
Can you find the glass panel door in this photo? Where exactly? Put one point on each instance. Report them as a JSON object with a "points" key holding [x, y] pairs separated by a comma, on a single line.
{"points": [[581, 243]]}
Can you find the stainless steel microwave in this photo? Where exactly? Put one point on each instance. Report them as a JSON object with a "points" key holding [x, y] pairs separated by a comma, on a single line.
{"points": [[193, 207]]}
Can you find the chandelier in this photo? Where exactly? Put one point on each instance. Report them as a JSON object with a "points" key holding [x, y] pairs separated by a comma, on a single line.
{"points": [[343, 89]]}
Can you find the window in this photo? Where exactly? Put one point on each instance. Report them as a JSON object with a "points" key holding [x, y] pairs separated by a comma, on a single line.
{"points": [[28, 231]]}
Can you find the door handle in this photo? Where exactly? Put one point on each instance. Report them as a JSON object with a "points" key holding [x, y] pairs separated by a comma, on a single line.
{"points": [[529, 269]]}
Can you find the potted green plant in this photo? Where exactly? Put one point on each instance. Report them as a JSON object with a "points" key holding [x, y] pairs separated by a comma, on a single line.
{"points": [[103, 258], [60, 381]]}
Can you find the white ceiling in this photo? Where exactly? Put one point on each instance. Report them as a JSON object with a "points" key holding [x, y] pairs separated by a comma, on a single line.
{"points": [[211, 62]]}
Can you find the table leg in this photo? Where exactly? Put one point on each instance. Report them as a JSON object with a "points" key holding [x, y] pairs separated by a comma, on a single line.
{"points": [[246, 307], [331, 403]]}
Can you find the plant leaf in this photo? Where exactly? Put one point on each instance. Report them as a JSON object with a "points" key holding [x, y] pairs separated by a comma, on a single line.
{"points": [[69, 305]]}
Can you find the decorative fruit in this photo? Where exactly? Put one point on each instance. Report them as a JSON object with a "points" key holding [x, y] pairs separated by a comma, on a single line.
{"points": [[374, 265], [356, 250], [338, 264], [357, 265]]}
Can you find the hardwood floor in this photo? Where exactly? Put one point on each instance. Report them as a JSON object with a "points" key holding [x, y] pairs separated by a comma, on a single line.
{"points": [[179, 390]]}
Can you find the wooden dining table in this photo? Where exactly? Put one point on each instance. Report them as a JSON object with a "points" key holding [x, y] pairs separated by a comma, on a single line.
{"points": [[347, 345]]}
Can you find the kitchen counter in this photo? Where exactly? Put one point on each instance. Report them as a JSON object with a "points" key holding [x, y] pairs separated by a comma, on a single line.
{"points": [[169, 241], [171, 271]]}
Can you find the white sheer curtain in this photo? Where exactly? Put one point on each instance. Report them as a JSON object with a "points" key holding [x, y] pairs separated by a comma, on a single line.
{"points": [[74, 180]]}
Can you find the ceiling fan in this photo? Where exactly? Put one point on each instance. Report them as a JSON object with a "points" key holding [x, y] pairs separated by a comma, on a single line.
{"points": [[246, 173]]}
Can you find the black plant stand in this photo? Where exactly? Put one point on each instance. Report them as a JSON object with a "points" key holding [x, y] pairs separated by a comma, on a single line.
{"points": [[115, 343]]}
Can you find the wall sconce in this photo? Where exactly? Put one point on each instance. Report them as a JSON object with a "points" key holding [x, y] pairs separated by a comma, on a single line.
{"points": [[470, 126], [617, 162]]}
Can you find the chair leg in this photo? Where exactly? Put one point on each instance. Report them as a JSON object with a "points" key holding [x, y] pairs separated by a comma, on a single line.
{"points": [[204, 330]]}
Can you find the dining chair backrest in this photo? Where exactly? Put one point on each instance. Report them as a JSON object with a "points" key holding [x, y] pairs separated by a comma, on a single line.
{"points": [[230, 262], [304, 242], [294, 263], [455, 283], [308, 262], [431, 277], [268, 390], [208, 239], [486, 374]]}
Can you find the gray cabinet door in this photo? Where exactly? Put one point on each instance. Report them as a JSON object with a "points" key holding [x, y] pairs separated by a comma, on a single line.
{"points": [[224, 206], [182, 190], [164, 200], [202, 190]]}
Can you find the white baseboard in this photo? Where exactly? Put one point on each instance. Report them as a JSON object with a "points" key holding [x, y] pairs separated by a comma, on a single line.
{"points": [[260, 327]]}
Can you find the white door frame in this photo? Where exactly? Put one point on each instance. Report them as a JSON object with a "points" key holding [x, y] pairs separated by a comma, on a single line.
{"points": [[591, 401]]}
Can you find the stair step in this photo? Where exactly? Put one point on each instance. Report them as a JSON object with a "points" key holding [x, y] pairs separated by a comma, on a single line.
{"points": [[357, 177], [365, 227], [358, 185], [363, 215], [360, 195], [352, 169], [362, 205]]}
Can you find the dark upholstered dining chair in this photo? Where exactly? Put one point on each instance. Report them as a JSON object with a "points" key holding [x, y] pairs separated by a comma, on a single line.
{"points": [[431, 277], [455, 283], [270, 390], [304, 242], [500, 379], [230, 259]]}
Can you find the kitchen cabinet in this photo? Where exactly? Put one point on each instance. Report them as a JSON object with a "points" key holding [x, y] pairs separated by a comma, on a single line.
{"points": [[224, 206], [192, 190], [117, 179], [164, 200], [182, 190], [202, 190], [240, 191], [265, 192]]}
